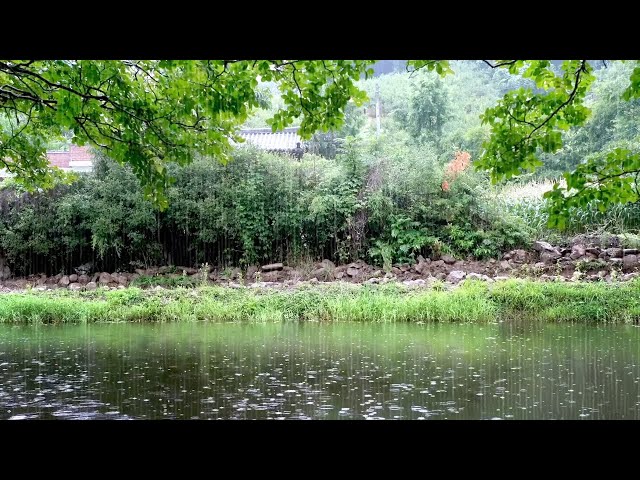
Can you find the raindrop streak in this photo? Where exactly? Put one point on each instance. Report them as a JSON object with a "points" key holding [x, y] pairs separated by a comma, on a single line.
{"points": [[316, 371]]}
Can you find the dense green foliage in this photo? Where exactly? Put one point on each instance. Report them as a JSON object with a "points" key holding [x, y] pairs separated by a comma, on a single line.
{"points": [[573, 118], [471, 302], [384, 197], [526, 202], [382, 202], [149, 113]]}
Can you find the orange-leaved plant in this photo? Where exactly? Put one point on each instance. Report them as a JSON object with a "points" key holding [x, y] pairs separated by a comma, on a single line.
{"points": [[460, 162]]}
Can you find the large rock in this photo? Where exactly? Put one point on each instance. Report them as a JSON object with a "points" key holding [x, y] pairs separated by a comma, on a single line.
{"points": [[326, 263], [421, 267], [271, 276], [614, 252], [455, 276], [565, 252], [504, 265], [84, 269], [91, 286], [448, 259], [105, 278], [550, 257], [354, 272], [604, 241], [541, 246], [438, 263], [64, 281], [73, 278], [76, 287], [578, 251], [518, 256], [83, 279], [629, 262], [272, 266], [323, 274]]}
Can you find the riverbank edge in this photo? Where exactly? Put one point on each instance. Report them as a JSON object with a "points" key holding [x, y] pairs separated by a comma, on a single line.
{"points": [[470, 301]]}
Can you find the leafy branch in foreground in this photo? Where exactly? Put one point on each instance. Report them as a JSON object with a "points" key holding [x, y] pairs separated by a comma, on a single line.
{"points": [[524, 123], [601, 181], [147, 113]]}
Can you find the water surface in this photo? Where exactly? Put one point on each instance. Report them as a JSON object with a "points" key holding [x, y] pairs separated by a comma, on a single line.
{"points": [[319, 371]]}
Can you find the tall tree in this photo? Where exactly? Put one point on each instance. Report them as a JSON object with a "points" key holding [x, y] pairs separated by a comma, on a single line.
{"points": [[147, 113], [525, 123]]}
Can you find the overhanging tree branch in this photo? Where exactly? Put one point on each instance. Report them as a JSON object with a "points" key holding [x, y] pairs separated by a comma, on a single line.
{"points": [[572, 95], [500, 64]]}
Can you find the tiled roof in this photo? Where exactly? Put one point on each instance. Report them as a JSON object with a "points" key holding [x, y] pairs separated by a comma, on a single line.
{"points": [[264, 138]]}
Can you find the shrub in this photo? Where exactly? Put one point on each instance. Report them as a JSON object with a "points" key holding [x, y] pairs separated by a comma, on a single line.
{"points": [[380, 200]]}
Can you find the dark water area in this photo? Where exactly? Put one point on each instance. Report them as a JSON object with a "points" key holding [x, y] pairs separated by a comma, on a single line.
{"points": [[319, 371]]}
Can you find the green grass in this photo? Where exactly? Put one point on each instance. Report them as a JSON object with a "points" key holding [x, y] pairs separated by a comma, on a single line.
{"points": [[471, 302]]}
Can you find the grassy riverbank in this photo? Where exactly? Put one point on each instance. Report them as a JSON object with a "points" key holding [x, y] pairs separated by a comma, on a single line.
{"points": [[471, 302]]}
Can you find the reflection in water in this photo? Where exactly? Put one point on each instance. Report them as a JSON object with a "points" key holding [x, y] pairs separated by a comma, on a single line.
{"points": [[315, 371]]}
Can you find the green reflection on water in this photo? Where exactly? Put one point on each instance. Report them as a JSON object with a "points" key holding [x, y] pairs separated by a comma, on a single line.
{"points": [[320, 371]]}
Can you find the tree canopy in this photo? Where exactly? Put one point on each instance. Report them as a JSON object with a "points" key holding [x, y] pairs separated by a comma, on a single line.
{"points": [[149, 113]]}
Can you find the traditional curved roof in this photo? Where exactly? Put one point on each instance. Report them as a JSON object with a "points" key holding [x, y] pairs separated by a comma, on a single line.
{"points": [[282, 141]]}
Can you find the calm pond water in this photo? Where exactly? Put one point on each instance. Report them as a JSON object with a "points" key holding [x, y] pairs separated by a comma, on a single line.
{"points": [[315, 371]]}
